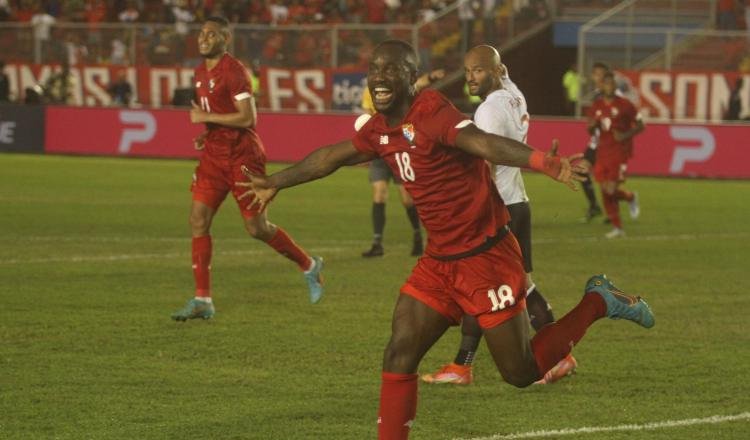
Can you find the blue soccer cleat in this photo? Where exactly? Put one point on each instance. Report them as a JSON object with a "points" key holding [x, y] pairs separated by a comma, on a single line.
{"points": [[620, 305], [314, 280], [194, 309]]}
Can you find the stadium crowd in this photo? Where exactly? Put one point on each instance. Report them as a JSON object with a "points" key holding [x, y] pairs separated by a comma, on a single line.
{"points": [[238, 11]]}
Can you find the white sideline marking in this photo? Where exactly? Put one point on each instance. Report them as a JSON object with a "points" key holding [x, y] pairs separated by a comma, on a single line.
{"points": [[594, 429], [344, 245]]}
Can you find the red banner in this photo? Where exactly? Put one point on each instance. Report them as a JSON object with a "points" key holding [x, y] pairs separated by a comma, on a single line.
{"points": [[662, 150], [686, 96]]}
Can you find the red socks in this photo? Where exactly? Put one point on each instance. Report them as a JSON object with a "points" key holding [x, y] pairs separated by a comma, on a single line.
{"points": [[613, 209], [202, 265], [398, 406], [555, 340], [283, 244]]}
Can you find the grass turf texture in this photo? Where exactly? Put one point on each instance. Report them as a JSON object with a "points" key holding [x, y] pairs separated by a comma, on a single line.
{"points": [[94, 256]]}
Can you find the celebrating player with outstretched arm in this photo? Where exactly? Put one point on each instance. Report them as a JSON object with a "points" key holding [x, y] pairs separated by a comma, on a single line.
{"points": [[503, 112], [226, 106], [473, 264]]}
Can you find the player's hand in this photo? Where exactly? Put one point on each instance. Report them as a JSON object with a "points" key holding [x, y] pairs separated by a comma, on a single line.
{"points": [[197, 114], [563, 169], [436, 75], [258, 187], [199, 142]]}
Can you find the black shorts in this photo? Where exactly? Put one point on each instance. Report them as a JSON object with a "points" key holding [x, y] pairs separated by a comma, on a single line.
{"points": [[379, 171], [520, 225]]}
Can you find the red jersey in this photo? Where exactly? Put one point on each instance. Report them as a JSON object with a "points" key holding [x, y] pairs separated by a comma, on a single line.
{"points": [[619, 114], [454, 194], [217, 90]]}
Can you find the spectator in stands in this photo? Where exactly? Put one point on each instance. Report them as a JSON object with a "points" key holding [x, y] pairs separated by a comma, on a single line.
{"points": [[120, 91], [735, 102], [41, 22], [119, 54], [4, 84], [76, 52], [466, 15], [488, 21], [5, 12], [182, 19], [130, 14], [727, 18]]}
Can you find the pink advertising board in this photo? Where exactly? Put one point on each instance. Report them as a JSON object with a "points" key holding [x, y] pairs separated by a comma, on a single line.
{"points": [[664, 149]]}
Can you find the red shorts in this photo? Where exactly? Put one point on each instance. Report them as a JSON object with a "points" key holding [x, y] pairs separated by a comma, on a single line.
{"points": [[489, 286], [610, 170], [215, 177]]}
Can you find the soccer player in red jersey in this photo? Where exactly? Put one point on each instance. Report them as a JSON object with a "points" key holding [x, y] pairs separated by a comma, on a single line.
{"points": [[226, 107], [472, 263], [618, 122]]}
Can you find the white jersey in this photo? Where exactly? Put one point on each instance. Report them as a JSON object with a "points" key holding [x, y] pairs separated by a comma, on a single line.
{"points": [[504, 113]]}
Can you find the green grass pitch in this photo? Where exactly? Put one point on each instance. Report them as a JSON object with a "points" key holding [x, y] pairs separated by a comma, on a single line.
{"points": [[95, 255]]}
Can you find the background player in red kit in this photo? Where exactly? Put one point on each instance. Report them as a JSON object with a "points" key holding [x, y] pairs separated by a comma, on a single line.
{"points": [[473, 263], [226, 106], [617, 121]]}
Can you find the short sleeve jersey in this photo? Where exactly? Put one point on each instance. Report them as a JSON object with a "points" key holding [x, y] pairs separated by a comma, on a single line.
{"points": [[504, 113], [217, 90], [619, 114], [452, 190]]}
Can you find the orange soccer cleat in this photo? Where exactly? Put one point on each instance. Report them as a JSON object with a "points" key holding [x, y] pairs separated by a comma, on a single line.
{"points": [[451, 373], [564, 368]]}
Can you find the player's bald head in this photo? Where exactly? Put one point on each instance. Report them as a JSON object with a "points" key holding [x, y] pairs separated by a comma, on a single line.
{"points": [[485, 55], [398, 50]]}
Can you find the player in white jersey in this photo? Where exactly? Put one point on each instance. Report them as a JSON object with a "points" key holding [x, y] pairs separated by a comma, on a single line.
{"points": [[503, 112]]}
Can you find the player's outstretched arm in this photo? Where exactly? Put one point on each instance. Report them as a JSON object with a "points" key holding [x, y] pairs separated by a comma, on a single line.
{"points": [[510, 152], [316, 165]]}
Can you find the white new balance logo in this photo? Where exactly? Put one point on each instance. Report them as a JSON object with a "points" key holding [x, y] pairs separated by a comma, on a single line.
{"points": [[384, 139]]}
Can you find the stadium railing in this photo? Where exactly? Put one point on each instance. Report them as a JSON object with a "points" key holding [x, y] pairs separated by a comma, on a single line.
{"points": [[640, 34]]}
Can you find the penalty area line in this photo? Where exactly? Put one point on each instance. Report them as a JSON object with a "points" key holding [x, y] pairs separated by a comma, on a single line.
{"points": [[621, 428]]}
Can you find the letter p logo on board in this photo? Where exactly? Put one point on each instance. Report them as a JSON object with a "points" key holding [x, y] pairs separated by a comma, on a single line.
{"points": [[683, 154], [144, 133]]}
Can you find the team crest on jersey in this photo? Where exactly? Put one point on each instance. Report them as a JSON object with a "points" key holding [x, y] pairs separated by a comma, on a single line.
{"points": [[615, 111], [409, 133], [211, 85]]}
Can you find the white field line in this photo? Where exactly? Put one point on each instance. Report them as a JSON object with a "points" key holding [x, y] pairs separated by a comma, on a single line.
{"points": [[343, 245], [621, 428]]}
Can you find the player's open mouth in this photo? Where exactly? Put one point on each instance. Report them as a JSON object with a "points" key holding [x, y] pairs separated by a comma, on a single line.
{"points": [[381, 95]]}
